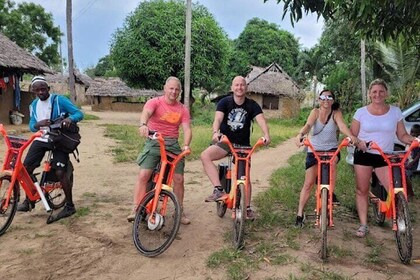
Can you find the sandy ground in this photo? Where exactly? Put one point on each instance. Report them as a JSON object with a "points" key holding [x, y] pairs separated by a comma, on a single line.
{"points": [[99, 245]]}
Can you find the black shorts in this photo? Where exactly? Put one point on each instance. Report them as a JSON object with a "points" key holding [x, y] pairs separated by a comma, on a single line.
{"points": [[368, 159], [311, 159], [37, 152]]}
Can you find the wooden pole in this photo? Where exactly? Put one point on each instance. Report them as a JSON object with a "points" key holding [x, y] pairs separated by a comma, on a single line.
{"points": [[187, 65], [363, 71], [70, 51]]}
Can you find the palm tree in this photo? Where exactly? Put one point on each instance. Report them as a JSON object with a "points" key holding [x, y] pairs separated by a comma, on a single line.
{"points": [[400, 61]]}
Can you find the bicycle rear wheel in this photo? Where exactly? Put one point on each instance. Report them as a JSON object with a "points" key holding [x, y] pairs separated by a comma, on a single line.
{"points": [[240, 216], [403, 235], [7, 215], [153, 238], [324, 223]]}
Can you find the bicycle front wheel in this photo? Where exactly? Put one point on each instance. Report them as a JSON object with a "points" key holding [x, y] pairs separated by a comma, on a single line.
{"points": [[403, 235], [7, 215], [324, 223], [240, 216], [153, 236]]}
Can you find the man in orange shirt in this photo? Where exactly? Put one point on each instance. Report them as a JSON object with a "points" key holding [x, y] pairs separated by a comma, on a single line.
{"points": [[164, 114]]}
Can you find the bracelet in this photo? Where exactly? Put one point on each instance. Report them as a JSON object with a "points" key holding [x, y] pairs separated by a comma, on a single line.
{"points": [[143, 124], [215, 131]]}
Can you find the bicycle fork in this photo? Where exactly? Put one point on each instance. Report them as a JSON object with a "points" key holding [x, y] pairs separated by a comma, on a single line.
{"points": [[324, 182]]}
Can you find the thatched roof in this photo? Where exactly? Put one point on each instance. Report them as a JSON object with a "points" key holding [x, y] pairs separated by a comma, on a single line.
{"points": [[116, 87], [272, 80], [15, 58], [64, 78]]}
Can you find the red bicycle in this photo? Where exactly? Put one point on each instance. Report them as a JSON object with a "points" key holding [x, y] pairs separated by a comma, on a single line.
{"points": [[325, 189], [158, 215], [235, 181], [393, 203], [14, 174]]}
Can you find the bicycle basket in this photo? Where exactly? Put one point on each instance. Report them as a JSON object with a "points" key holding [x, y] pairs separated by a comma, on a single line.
{"points": [[17, 142]]}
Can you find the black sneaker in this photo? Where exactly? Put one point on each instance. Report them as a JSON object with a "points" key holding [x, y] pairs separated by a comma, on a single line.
{"points": [[335, 200], [26, 206], [300, 221], [66, 212]]}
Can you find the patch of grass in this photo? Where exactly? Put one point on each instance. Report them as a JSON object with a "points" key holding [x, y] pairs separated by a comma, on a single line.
{"points": [[26, 251], [374, 256], [283, 259], [236, 263], [312, 272], [339, 251], [89, 117], [82, 211]]}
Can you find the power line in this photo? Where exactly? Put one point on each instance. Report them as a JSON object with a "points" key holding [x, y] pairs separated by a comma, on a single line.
{"points": [[85, 9]]}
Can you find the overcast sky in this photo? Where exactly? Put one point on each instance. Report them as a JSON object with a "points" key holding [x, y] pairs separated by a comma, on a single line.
{"points": [[94, 22]]}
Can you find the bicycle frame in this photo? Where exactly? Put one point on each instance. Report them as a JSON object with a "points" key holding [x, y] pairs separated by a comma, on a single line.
{"points": [[324, 177], [241, 171], [13, 166], [154, 227], [397, 179], [166, 172]]}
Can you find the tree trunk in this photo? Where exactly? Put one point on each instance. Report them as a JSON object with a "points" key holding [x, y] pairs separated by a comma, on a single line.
{"points": [[315, 83], [363, 71]]}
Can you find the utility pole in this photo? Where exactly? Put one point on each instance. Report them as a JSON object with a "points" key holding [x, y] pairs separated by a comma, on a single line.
{"points": [[187, 64], [70, 51], [363, 70], [61, 54]]}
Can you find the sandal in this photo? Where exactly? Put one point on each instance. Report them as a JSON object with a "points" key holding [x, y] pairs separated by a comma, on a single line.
{"points": [[362, 231]]}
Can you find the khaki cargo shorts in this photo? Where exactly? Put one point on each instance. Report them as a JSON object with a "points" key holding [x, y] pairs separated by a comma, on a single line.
{"points": [[150, 156]]}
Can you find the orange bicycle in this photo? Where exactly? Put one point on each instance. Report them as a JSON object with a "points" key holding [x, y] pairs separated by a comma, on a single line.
{"points": [[392, 203], [158, 215], [235, 182], [325, 189], [13, 173]]}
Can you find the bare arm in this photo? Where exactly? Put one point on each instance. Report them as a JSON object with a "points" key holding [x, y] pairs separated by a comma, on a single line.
{"points": [[339, 120], [144, 118], [307, 127], [218, 118], [402, 134], [186, 128], [264, 127]]}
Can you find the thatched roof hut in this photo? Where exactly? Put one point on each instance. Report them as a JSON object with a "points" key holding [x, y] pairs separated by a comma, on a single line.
{"points": [[115, 87], [15, 59], [272, 80], [274, 89], [79, 78], [114, 94]]}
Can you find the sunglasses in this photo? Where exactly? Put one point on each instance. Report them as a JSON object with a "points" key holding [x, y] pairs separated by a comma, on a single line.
{"points": [[326, 97]]}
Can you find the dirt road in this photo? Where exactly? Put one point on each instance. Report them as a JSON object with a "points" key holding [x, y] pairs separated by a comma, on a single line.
{"points": [[97, 244]]}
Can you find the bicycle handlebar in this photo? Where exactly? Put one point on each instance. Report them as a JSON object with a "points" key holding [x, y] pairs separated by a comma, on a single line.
{"points": [[402, 155], [241, 149], [344, 143]]}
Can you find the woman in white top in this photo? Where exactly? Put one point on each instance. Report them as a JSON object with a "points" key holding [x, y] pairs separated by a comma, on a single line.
{"points": [[324, 122], [378, 122]]}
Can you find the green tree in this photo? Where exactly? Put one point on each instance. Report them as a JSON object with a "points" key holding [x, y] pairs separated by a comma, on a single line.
{"points": [[150, 46], [264, 43], [377, 20], [400, 62], [29, 26]]}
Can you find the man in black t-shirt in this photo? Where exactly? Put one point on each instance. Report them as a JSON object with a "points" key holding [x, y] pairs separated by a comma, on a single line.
{"points": [[233, 118]]}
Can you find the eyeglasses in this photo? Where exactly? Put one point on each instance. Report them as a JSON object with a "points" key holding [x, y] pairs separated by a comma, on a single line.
{"points": [[325, 97]]}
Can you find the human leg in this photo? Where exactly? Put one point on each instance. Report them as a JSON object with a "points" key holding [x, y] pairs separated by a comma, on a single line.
{"points": [[310, 176], [207, 157], [59, 164], [32, 160], [363, 175]]}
